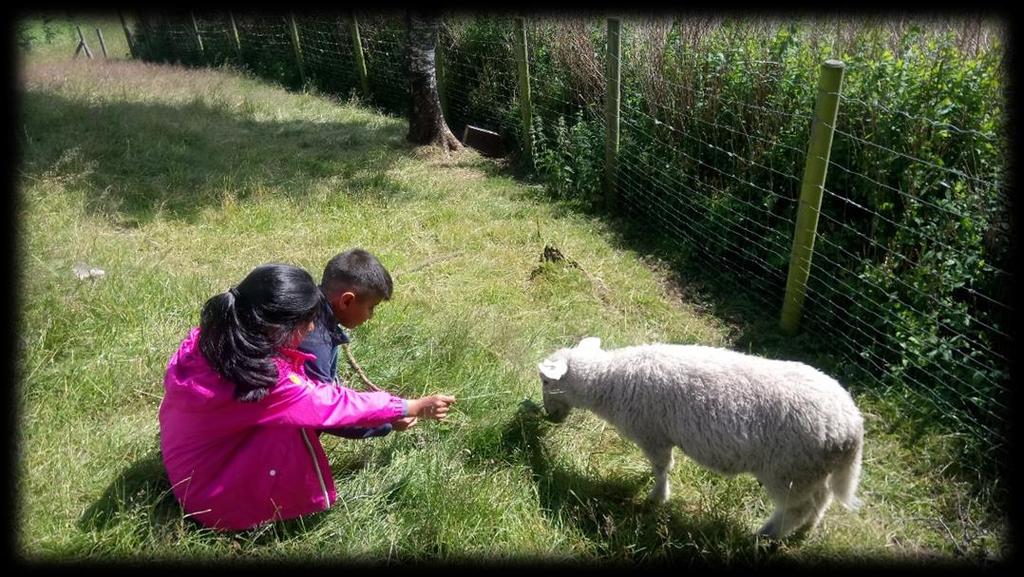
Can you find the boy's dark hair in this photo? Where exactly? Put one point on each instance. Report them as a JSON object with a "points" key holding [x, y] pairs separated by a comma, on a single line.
{"points": [[359, 271], [241, 330]]}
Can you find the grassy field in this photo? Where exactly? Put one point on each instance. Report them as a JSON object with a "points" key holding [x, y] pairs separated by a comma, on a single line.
{"points": [[177, 182]]}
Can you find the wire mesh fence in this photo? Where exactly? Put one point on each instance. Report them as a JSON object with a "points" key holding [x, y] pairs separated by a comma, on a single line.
{"points": [[327, 51], [909, 286]]}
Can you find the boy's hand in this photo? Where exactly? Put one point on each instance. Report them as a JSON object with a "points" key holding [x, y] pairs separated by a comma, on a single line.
{"points": [[431, 407], [403, 423]]}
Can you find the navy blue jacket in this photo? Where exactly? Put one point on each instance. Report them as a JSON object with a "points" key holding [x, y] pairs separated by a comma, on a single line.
{"points": [[325, 342]]}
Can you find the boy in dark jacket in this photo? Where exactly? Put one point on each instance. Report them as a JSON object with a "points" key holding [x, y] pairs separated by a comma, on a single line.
{"points": [[353, 284]]}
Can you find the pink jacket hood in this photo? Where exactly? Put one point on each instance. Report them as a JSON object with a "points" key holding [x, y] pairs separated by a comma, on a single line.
{"points": [[235, 465]]}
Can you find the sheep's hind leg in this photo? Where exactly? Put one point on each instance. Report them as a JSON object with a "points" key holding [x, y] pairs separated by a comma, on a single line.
{"points": [[787, 519], [796, 507], [661, 461], [821, 498]]}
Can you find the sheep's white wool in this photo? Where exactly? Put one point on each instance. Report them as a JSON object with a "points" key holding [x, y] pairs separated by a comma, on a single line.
{"points": [[793, 427]]}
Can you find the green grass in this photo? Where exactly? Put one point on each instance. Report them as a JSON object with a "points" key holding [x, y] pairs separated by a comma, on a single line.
{"points": [[177, 182]]}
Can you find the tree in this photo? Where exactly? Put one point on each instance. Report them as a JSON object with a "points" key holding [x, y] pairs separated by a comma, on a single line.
{"points": [[426, 120]]}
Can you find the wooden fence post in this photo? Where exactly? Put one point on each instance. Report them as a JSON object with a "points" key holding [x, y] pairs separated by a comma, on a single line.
{"points": [[525, 101], [815, 169], [357, 50], [81, 44], [298, 48], [611, 107], [238, 40], [103, 45], [127, 35], [199, 38]]}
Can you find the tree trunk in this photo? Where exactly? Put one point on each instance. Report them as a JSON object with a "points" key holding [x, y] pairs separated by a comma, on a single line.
{"points": [[426, 120]]}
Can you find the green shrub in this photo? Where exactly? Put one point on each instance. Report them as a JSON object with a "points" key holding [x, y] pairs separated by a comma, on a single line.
{"points": [[32, 33]]}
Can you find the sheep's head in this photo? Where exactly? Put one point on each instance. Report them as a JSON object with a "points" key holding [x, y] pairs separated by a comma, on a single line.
{"points": [[556, 383]]}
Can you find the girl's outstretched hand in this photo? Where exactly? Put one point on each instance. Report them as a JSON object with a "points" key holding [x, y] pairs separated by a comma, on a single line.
{"points": [[431, 407]]}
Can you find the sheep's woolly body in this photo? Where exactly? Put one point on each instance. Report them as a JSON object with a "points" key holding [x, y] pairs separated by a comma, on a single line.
{"points": [[796, 429]]}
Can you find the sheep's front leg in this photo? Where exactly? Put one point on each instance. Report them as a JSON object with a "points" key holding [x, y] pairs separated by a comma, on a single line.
{"points": [[661, 461]]}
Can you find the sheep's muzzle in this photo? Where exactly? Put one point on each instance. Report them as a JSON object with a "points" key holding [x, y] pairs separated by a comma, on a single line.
{"points": [[556, 418], [555, 413]]}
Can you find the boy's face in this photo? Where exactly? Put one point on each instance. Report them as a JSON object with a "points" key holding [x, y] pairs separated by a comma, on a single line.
{"points": [[352, 310]]}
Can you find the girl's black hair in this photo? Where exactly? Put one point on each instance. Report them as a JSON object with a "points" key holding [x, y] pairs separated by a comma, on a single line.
{"points": [[241, 330]]}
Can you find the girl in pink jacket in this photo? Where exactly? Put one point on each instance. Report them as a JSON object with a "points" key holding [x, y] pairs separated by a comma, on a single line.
{"points": [[239, 420]]}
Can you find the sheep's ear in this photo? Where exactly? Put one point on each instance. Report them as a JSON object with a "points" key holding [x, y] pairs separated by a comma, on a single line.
{"points": [[553, 370], [590, 343]]}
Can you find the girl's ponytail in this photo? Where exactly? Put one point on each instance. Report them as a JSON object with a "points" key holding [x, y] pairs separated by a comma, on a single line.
{"points": [[240, 330], [236, 355]]}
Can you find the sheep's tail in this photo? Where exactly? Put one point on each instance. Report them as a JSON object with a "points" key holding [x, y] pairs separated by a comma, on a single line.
{"points": [[845, 478]]}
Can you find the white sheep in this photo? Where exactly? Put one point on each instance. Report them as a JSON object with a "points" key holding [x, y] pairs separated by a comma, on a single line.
{"points": [[793, 427]]}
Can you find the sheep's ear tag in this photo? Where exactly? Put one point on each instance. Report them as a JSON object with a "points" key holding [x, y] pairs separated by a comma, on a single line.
{"points": [[591, 343], [553, 369]]}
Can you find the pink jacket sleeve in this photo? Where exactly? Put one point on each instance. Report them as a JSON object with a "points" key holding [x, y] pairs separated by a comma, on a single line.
{"points": [[298, 401]]}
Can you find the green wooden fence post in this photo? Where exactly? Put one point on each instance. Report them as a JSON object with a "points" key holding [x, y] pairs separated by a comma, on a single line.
{"points": [[238, 40], [611, 108], [525, 101], [815, 168], [127, 35], [199, 38], [357, 49], [298, 48]]}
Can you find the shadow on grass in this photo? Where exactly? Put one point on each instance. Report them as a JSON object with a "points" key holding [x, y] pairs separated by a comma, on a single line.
{"points": [[137, 159], [613, 514], [140, 499], [142, 489]]}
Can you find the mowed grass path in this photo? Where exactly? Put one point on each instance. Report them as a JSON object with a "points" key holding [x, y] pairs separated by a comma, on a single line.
{"points": [[177, 182]]}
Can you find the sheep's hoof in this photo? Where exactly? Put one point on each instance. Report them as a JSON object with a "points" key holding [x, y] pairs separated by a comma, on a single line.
{"points": [[659, 497], [768, 531]]}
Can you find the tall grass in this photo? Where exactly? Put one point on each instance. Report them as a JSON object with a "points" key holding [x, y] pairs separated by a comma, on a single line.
{"points": [[177, 182]]}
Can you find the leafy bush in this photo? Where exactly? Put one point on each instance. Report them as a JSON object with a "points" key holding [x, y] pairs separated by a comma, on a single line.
{"points": [[31, 33], [570, 158]]}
